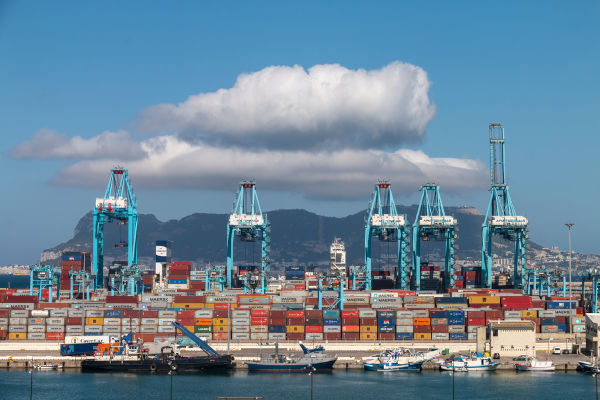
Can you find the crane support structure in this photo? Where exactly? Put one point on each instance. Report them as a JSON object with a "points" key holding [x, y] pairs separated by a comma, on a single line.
{"points": [[249, 224], [118, 204], [501, 218], [44, 277], [432, 223], [384, 222]]}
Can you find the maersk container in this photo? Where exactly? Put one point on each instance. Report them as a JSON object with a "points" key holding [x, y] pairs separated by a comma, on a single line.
{"points": [[331, 321], [404, 336], [458, 336]]}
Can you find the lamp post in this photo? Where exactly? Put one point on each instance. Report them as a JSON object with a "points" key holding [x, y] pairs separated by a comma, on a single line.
{"points": [[569, 225]]}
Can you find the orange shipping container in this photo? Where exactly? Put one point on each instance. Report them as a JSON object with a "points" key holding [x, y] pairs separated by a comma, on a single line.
{"points": [[351, 328], [421, 321], [203, 321], [220, 336]]}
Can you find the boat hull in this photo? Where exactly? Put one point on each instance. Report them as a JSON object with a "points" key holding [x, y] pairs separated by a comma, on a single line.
{"points": [[458, 368], [184, 364], [390, 367], [521, 367], [291, 367]]}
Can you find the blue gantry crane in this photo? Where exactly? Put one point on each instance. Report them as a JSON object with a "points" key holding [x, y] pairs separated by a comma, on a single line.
{"points": [[215, 277], [44, 277], [432, 223], [501, 218], [84, 281], [591, 275], [249, 224], [118, 204], [384, 223]]}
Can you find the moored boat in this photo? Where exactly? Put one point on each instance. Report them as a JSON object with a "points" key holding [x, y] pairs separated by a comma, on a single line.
{"points": [[534, 365], [474, 362], [310, 360], [399, 359]]}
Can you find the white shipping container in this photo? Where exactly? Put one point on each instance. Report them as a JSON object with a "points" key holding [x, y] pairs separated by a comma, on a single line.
{"points": [[166, 321], [203, 314], [35, 321], [107, 329], [240, 321], [93, 329], [332, 329], [112, 321], [75, 313], [167, 314], [59, 312], [148, 329], [240, 336], [404, 328], [166, 329], [259, 329], [55, 328], [74, 329], [259, 336], [55, 321], [39, 313], [36, 328], [36, 336], [17, 328], [19, 313], [273, 336], [17, 321], [240, 314], [314, 336], [149, 321], [239, 328], [94, 314]]}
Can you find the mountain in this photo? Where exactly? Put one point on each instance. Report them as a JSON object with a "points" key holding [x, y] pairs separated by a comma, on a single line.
{"points": [[297, 237]]}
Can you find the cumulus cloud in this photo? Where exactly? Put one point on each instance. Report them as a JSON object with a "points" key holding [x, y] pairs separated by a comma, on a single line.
{"points": [[327, 106], [49, 144], [342, 174]]}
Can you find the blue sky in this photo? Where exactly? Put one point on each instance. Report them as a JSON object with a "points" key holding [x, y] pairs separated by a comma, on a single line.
{"points": [[84, 68]]}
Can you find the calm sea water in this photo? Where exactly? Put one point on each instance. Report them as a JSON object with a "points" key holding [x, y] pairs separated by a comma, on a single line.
{"points": [[359, 385], [15, 281]]}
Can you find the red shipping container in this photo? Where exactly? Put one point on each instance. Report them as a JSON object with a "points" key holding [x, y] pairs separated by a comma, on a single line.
{"points": [[261, 313], [516, 302], [368, 321], [476, 321], [3, 334], [259, 321], [349, 313], [313, 314], [220, 313], [295, 314], [132, 314], [21, 299], [121, 299], [313, 301], [149, 314], [277, 314], [182, 314], [74, 321], [387, 336], [350, 335], [422, 328], [188, 299], [332, 336], [295, 321], [494, 315], [220, 336], [313, 329], [295, 336], [187, 321], [55, 336], [438, 329], [313, 321], [4, 313], [276, 321], [350, 321], [476, 314]]}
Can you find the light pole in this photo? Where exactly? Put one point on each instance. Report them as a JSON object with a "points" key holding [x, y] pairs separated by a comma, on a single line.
{"points": [[569, 225]]}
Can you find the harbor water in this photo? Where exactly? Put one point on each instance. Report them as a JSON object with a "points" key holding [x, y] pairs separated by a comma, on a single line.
{"points": [[359, 385]]}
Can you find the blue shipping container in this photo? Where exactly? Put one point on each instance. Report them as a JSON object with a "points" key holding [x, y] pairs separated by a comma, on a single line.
{"points": [[456, 321], [404, 336], [178, 281], [456, 314], [451, 300], [386, 329], [113, 314], [438, 314], [560, 305], [386, 321], [458, 336], [331, 321], [386, 314], [562, 327], [276, 329], [549, 321], [331, 313]]}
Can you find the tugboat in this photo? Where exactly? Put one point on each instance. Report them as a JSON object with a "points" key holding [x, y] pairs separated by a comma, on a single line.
{"points": [[310, 360], [130, 358], [474, 362]]}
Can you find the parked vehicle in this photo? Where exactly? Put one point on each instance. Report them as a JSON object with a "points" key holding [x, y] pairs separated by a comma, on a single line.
{"points": [[521, 358], [556, 350]]}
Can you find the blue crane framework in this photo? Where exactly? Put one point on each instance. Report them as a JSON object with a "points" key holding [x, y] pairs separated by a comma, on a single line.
{"points": [[538, 280], [384, 223], [215, 277], [44, 277], [501, 218], [85, 282], [118, 204], [591, 275], [249, 224], [432, 223]]}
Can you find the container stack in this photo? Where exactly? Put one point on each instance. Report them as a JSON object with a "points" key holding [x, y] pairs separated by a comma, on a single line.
{"points": [[332, 325], [295, 325], [277, 324], [313, 324], [350, 325], [386, 325]]}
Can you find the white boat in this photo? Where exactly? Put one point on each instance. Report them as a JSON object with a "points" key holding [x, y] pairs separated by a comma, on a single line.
{"points": [[399, 359], [47, 367], [474, 362], [534, 365]]}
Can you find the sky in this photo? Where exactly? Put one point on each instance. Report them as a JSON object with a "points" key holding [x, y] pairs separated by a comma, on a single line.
{"points": [[315, 101]]}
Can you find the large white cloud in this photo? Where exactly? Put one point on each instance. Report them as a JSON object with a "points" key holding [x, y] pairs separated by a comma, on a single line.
{"points": [[49, 144], [328, 106], [343, 174]]}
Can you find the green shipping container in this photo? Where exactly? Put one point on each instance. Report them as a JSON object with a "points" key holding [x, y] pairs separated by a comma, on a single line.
{"points": [[202, 329]]}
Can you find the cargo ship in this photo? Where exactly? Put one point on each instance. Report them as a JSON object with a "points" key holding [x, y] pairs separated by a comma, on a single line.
{"points": [[131, 357]]}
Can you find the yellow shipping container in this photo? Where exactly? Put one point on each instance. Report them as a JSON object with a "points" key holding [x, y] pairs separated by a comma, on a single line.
{"points": [[220, 321], [368, 329], [529, 314], [484, 299], [94, 321], [189, 327], [368, 335], [185, 305], [422, 336], [209, 305], [295, 328], [220, 329], [17, 336]]}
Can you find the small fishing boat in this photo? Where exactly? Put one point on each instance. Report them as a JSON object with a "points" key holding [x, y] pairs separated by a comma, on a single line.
{"points": [[534, 365], [474, 362], [47, 367], [311, 359], [587, 367], [399, 359]]}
